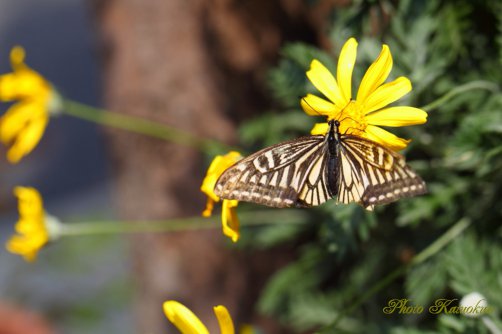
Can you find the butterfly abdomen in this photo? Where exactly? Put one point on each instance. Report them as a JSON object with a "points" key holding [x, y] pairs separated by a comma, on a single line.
{"points": [[332, 175]]}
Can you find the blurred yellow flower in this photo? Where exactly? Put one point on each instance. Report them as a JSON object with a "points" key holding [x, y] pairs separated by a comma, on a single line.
{"points": [[363, 115], [248, 329], [188, 323], [229, 219], [33, 226], [24, 123]]}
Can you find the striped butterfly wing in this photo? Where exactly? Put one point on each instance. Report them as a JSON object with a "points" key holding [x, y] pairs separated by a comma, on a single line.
{"points": [[291, 173], [370, 174]]}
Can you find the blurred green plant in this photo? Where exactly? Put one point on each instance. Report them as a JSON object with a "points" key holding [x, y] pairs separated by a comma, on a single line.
{"points": [[452, 53]]}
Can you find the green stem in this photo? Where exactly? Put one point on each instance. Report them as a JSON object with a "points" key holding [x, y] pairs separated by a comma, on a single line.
{"points": [[421, 257], [478, 84], [254, 218], [125, 227], [492, 327], [441, 242], [143, 126]]}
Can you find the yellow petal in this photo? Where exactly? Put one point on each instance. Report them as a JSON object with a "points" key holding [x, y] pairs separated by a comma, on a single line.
{"points": [[28, 138], [316, 106], [22, 84], [345, 67], [30, 202], [14, 120], [325, 82], [375, 75], [28, 241], [320, 129], [28, 244], [26, 247], [32, 231], [385, 138], [31, 225], [208, 211], [17, 55], [229, 219], [224, 320], [219, 164], [397, 116], [386, 94], [183, 318], [207, 188], [8, 87]]}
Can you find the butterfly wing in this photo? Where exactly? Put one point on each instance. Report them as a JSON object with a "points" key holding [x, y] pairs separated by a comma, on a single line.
{"points": [[371, 174], [291, 173]]}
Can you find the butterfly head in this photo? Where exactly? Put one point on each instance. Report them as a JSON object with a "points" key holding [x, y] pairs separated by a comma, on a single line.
{"points": [[333, 135], [334, 125]]}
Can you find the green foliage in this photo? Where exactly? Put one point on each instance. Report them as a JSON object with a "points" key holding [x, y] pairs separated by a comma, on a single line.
{"points": [[497, 9], [447, 49], [421, 286]]}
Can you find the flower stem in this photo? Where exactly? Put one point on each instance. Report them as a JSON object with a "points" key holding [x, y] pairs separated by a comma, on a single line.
{"points": [[491, 325], [478, 84], [143, 126], [441, 242], [265, 217], [421, 257]]}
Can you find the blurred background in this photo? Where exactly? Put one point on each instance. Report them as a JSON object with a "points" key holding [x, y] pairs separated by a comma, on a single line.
{"points": [[233, 70], [71, 170]]}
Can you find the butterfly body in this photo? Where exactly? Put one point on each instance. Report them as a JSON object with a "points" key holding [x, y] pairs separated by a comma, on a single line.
{"points": [[310, 170]]}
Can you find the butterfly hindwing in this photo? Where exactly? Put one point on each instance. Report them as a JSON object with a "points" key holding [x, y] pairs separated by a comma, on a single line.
{"points": [[351, 176], [286, 174], [381, 175], [315, 189]]}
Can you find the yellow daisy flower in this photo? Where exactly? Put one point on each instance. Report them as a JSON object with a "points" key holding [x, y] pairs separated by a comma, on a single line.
{"points": [[229, 219], [34, 226], [188, 323], [363, 115], [24, 123]]}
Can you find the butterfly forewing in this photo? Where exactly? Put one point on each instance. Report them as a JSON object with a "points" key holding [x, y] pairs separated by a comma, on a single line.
{"points": [[287, 174], [371, 152]]}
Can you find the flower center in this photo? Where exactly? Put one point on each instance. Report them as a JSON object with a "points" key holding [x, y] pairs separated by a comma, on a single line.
{"points": [[352, 119]]}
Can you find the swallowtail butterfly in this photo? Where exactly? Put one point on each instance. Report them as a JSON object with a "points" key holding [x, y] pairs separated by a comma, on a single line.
{"points": [[310, 170]]}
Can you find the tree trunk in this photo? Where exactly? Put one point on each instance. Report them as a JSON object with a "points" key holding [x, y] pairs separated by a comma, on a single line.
{"points": [[198, 66]]}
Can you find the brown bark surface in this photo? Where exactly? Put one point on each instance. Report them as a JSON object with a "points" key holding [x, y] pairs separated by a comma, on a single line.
{"points": [[199, 66], [17, 320]]}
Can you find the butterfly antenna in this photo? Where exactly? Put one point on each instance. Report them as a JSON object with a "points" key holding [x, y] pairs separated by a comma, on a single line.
{"points": [[347, 117], [351, 127], [343, 119]]}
